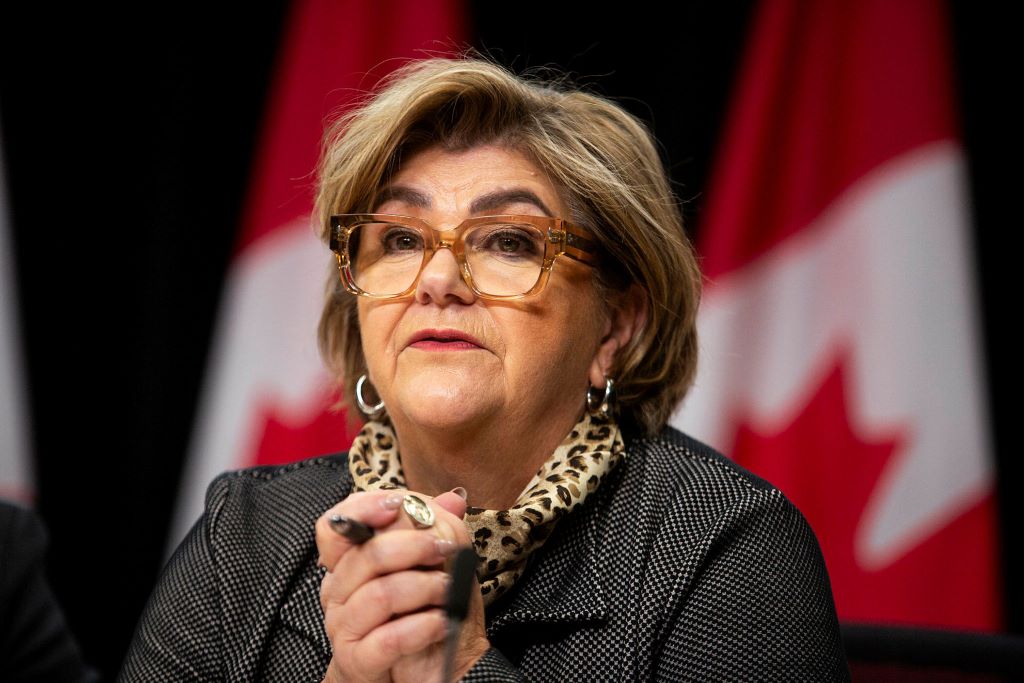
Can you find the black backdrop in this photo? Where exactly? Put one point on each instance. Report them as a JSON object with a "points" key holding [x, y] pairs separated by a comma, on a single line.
{"points": [[127, 138]]}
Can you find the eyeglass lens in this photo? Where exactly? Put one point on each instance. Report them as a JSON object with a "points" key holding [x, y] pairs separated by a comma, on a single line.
{"points": [[504, 259]]}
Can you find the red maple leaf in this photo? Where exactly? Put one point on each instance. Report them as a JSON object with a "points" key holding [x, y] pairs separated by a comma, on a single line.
{"points": [[322, 430], [948, 579]]}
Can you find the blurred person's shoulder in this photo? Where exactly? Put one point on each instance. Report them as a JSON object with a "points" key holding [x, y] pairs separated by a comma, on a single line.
{"points": [[36, 643], [22, 526]]}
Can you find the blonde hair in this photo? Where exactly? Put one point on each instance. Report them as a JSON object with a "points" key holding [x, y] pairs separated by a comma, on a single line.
{"points": [[601, 157]]}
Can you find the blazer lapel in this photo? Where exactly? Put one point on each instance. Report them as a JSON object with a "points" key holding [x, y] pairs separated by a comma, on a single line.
{"points": [[562, 584], [301, 611]]}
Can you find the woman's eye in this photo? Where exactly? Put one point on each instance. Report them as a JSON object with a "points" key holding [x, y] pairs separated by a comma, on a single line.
{"points": [[401, 239], [510, 242]]}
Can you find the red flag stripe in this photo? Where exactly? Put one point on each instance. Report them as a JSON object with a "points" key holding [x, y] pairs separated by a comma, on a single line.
{"points": [[333, 51]]}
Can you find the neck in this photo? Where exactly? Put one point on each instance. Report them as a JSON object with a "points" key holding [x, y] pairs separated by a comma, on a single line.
{"points": [[494, 461]]}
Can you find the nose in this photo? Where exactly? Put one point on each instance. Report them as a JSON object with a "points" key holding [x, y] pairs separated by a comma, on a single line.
{"points": [[441, 281]]}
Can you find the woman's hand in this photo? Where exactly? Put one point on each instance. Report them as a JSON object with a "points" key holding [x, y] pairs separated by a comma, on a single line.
{"points": [[383, 599]]}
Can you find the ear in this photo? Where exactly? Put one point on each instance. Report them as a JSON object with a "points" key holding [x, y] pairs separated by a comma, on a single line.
{"points": [[627, 314]]}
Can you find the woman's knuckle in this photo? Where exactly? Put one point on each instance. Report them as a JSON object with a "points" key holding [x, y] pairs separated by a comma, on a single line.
{"points": [[376, 552], [344, 627], [382, 593], [321, 528], [390, 640]]}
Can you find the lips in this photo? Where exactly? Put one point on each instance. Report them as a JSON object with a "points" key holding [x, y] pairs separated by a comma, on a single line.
{"points": [[444, 340]]}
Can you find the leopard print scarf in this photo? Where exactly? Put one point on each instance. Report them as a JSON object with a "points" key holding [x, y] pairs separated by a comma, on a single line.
{"points": [[504, 539]]}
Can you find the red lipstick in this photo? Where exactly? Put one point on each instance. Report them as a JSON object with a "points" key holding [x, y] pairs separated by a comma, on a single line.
{"points": [[444, 340]]}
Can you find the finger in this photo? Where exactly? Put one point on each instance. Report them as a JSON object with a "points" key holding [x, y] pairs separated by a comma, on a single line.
{"points": [[407, 635], [472, 645], [377, 601], [453, 503], [376, 509], [385, 553]]}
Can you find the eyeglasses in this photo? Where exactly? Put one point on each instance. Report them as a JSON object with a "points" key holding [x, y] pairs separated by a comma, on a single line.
{"points": [[500, 257]]}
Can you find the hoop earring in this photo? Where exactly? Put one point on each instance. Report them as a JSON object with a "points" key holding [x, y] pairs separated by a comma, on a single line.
{"points": [[369, 411], [601, 407]]}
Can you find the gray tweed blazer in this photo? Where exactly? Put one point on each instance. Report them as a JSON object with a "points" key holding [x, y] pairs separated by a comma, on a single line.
{"points": [[682, 566]]}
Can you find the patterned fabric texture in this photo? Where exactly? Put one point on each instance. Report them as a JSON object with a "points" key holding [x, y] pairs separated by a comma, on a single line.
{"points": [[504, 540], [680, 567]]}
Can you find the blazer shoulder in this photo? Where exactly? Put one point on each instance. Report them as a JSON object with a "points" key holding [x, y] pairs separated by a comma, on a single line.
{"points": [[287, 474], [681, 455], [697, 488], [278, 495]]}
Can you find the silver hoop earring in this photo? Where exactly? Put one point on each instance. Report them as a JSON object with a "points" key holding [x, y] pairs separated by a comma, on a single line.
{"points": [[601, 407], [367, 410]]}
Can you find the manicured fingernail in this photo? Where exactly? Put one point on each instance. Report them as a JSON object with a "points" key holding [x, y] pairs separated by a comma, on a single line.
{"points": [[392, 501], [445, 548], [460, 492]]}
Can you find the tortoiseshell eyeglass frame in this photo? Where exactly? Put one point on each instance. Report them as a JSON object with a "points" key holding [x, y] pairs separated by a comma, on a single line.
{"points": [[562, 239]]}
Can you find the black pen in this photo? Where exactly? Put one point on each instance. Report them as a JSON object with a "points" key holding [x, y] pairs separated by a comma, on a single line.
{"points": [[352, 529]]}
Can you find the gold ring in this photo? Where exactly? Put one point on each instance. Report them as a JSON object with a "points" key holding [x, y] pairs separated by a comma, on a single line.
{"points": [[419, 512]]}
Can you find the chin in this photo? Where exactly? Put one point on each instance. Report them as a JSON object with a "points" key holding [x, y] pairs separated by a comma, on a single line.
{"points": [[445, 401]]}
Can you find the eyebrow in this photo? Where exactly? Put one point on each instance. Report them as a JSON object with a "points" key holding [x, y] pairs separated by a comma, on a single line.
{"points": [[495, 200], [481, 205], [404, 194]]}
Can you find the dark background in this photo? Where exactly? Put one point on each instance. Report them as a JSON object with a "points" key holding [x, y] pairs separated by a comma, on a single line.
{"points": [[128, 137]]}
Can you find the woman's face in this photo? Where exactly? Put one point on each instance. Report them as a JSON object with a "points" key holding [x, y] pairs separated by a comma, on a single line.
{"points": [[444, 358]]}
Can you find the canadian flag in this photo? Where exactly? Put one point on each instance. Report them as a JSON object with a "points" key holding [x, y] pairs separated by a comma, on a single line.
{"points": [[840, 345], [267, 397]]}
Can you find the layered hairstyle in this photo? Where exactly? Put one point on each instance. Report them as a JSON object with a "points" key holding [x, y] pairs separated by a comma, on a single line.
{"points": [[602, 160]]}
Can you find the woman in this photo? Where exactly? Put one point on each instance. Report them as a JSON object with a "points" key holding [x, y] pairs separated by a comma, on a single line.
{"points": [[515, 315]]}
